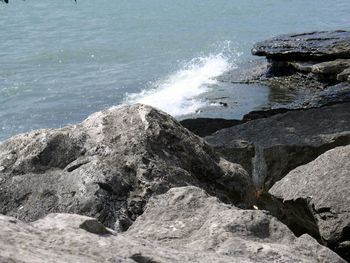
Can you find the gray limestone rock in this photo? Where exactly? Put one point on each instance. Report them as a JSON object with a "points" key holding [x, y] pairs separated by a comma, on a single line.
{"points": [[284, 141], [183, 225], [316, 198], [108, 166]]}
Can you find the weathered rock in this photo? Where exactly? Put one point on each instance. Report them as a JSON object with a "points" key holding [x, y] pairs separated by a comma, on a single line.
{"points": [[316, 199], [324, 45], [344, 75], [108, 166], [333, 67], [331, 95], [305, 67], [183, 225], [284, 141]]}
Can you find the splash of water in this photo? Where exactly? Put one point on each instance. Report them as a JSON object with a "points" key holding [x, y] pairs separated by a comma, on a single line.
{"points": [[177, 94]]}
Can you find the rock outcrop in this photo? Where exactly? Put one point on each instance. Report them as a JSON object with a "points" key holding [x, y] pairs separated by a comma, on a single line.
{"points": [[183, 225], [304, 63], [321, 46], [315, 199], [269, 148], [108, 166]]}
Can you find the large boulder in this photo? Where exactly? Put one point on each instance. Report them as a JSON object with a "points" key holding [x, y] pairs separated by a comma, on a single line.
{"points": [[316, 199], [183, 225], [271, 147], [323, 45], [108, 166]]}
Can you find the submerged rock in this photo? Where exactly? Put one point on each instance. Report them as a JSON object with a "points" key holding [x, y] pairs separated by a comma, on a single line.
{"points": [[183, 225], [276, 145], [108, 166], [315, 199]]}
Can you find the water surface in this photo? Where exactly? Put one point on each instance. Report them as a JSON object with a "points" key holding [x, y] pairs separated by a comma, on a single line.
{"points": [[61, 61]]}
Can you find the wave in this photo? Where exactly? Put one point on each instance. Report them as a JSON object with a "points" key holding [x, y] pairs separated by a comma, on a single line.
{"points": [[177, 94]]}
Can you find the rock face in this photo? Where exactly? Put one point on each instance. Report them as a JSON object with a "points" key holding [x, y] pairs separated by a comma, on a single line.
{"points": [[269, 148], [324, 45], [316, 197], [183, 225], [307, 62], [108, 166], [206, 126]]}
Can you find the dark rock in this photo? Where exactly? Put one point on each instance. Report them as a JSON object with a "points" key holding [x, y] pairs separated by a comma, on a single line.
{"points": [[315, 198], [331, 95], [183, 225], [344, 75], [284, 141], [305, 61], [95, 227], [321, 46], [108, 166], [297, 81], [206, 126]]}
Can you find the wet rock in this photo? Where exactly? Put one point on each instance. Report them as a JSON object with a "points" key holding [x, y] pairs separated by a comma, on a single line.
{"points": [[108, 166], [315, 198], [284, 141], [307, 61], [331, 95], [324, 45], [183, 225]]}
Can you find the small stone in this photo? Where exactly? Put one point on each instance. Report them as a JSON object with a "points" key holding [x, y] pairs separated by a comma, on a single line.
{"points": [[95, 227]]}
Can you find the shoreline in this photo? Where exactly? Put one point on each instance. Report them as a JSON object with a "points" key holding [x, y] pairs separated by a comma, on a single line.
{"points": [[135, 179]]}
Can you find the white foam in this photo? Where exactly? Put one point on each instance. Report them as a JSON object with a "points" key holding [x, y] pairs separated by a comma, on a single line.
{"points": [[178, 93]]}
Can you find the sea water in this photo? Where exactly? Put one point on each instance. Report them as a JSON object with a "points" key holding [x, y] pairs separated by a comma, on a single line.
{"points": [[61, 61]]}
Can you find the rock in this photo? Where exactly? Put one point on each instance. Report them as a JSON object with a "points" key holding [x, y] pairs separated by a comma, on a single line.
{"points": [[95, 227], [305, 67], [315, 198], [333, 67], [108, 166], [183, 225], [321, 46], [206, 126], [344, 75], [284, 141], [305, 61], [331, 95]]}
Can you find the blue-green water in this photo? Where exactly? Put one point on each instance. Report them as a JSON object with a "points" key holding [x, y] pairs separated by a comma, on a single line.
{"points": [[61, 61]]}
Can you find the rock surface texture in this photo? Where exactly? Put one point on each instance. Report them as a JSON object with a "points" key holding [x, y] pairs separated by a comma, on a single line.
{"points": [[183, 225], [108, 166], [271, 147], [305, 64], [316, 199], [324, 45]]}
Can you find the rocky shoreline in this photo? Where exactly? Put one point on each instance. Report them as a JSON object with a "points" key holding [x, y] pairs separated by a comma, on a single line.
{"points": [[132, 184]]}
